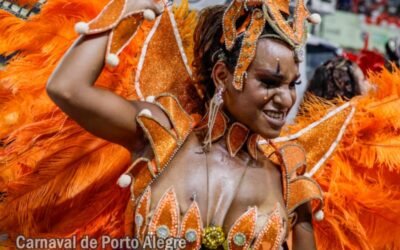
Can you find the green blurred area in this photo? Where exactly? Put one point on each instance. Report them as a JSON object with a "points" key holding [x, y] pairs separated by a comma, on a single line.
{"points": [[348, 29]]}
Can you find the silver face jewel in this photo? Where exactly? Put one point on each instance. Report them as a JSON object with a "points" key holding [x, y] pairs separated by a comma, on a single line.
{"points": [[239, 239], [191, 235], [162, 232], [139, 220]]}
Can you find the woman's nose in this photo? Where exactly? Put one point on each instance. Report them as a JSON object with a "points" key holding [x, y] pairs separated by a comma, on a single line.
{"points": [[283, 98]]}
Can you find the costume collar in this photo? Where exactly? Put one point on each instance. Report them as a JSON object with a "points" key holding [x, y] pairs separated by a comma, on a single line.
{"points": [[236, 134]]}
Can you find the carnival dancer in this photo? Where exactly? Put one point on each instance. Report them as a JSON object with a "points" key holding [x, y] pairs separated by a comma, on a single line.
{"points": [[196, 158]]}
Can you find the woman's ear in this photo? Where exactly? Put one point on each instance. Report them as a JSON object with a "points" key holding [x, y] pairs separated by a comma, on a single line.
{"points": [[221, 75]]}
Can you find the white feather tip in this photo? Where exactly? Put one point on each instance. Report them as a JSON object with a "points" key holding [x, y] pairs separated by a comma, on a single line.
{"points": [[124, 181], [146, 112], [150, 99], [314, 18], [82, 28], [112, 60], [319, 215], [149, 15]]}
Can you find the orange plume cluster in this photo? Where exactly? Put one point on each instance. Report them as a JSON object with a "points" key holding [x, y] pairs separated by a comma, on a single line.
{"points": [[360, 181], [60, 180]]}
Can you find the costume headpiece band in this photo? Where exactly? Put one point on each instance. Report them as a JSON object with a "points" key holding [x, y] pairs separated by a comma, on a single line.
{"points": [[257, 13]]}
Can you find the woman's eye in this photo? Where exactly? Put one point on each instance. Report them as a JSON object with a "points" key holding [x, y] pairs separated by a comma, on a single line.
{"points": [[293, 84], [270, 84]]}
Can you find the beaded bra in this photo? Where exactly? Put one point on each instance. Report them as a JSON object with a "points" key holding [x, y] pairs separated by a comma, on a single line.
{"points": [[287, 153]]}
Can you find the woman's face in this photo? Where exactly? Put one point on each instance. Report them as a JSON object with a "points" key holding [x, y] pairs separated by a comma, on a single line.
{"points": [[269, 90]]}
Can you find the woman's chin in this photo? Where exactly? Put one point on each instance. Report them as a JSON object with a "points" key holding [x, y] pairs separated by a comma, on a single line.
{"points": [[270, 133]]}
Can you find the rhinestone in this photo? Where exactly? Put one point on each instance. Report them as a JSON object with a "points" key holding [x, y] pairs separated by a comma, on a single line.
{"points": [[139, 220], [191, 235], [239, 239], [162, 232]]}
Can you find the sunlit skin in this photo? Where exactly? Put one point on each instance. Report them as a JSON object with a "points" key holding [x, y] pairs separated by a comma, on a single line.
{"points": [[269, 86]]}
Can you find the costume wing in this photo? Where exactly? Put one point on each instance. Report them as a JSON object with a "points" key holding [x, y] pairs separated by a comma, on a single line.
{"points": [[353, 153], [55, 178]]}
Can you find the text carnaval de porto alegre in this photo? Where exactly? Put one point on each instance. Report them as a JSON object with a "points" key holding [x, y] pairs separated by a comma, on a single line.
{"points": [[105, 242]]}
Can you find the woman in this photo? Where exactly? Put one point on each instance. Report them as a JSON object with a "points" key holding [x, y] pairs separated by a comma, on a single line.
{"points": [[221, 182], [57, 180]]}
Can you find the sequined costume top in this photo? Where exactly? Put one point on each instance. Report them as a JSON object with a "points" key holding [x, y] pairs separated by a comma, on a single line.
{"points": [[166, 220]]}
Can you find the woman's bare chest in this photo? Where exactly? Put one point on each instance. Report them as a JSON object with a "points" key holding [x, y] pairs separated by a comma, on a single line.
{"points": [[223, 187]]}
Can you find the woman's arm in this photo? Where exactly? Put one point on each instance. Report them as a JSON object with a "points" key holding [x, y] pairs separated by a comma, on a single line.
{"points": [[99, 111], [303, 233]]}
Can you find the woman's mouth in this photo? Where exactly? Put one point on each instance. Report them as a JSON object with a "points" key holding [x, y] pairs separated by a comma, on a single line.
{"points": [[275, 118]]}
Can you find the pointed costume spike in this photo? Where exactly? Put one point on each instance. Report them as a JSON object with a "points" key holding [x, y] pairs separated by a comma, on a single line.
{"points": [[163, 142], [272, 233], [242, 232], [236, 138], [294, 34], [108, 18], [164, 223], [191, 227], [249, 46], [141, 214], [121, 36], [303, 190], [182, 121], [229, 23]]}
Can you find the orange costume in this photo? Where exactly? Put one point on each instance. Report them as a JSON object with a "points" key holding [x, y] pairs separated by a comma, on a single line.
{"points": [[57, 180]]}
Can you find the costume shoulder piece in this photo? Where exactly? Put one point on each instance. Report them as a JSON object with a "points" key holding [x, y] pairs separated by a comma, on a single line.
{"points": [[301, 154], [350, 153]]}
